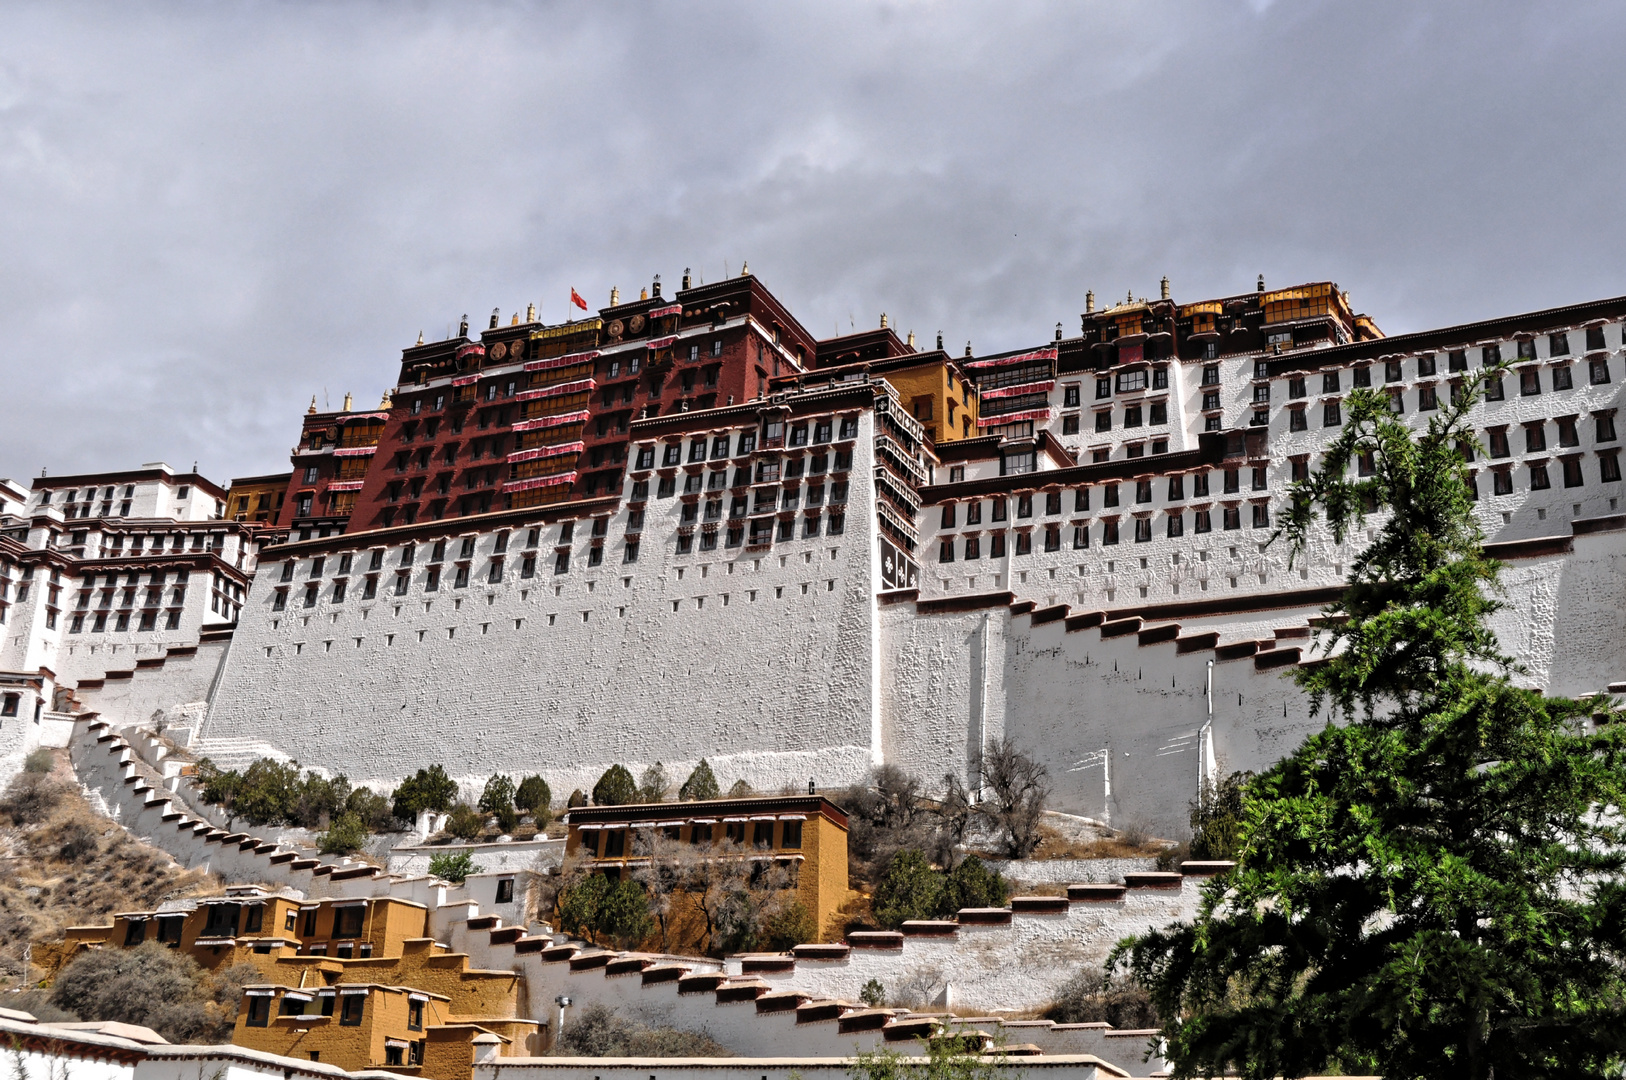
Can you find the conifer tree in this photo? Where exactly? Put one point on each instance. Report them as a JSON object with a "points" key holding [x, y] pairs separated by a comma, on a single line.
{"points": [[1434, 887], [615, 787], [701, 784]]}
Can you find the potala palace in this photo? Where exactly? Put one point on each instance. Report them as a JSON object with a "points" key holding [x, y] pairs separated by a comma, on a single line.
{"points": [[685, 528]]}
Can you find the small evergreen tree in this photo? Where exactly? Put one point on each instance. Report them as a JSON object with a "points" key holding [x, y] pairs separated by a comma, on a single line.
{"points": [[498, 800], [741, 790], [429, 789], [465, 822], [347, 834], [615, 787], [701, 784], [1217, 818], [910, 889], [268, 792], [535, 798], [972, 885], [1437, 887], [577, 798], [873, 994], [372, 808], [653, 786], [788, 927]]}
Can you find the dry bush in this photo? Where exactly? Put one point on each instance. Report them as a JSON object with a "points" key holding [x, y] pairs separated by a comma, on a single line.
{"points": [[598, 1031], [1092, 997], [72, 867], [154, 986]]}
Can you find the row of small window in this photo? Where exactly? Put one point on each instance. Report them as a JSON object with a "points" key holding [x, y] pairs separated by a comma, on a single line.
{"points": [[350, 1012], [1231, 483], [1529, 383], [84, 510], [437, 553], [154, 544], [766, 500], [154, 597], [1126, 382], [1570, 467], [1202, 521], [120, 621], [619, 843], [774, 432], [72, 494], [1535, 435], [1156, 414], [768, 471], [763, 531]]}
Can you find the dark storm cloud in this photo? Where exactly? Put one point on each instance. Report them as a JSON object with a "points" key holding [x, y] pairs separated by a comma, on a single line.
{"points": [[209, 213]]}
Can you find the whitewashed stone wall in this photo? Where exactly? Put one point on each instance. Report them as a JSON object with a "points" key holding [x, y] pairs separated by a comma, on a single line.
{"points": [[762, 662], [1014, 967]]}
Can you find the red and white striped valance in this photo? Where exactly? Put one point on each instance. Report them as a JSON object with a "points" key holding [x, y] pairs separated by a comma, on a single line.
{"points": [[669, 309], [551, 421], [471, 350], [662, 343], [1017, 391], [540, 481], [356, 451], [1047, 353], [1011, 418], [365, 416], [575, 387], [466, 380], [546, 451], [346, 485], [569, 360]]}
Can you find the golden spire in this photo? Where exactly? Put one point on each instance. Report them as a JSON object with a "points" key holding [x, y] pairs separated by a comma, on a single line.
{"points": [[312, 409], [420, 337], [347, 401]]}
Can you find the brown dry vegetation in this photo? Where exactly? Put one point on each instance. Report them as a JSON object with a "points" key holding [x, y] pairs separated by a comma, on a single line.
{"points": [[62, 864]]}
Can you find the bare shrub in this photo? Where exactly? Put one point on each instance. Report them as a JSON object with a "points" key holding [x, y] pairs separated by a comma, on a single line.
{"points": [[1016, 789], [599, 1031], [154, 986], [1093, 997], [30, 798]]}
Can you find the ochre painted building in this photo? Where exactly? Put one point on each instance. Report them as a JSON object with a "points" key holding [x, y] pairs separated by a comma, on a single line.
{"points": [[804, 834], [328, 966]]}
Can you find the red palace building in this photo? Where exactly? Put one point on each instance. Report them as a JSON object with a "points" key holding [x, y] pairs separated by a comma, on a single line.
{"points": [[530, 414]]}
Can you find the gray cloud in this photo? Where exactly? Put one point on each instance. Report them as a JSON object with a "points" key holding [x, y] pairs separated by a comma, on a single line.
{"points": [[209, 213]]}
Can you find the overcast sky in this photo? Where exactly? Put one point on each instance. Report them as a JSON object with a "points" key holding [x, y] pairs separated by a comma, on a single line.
{"points": [[211, 212]]}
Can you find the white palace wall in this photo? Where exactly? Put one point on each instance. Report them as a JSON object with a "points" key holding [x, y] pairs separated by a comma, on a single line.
{"points": [[761, 661]]}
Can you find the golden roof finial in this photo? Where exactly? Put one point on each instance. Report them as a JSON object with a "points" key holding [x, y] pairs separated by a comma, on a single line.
{"points": [[745, 269], [312, 409], [384, 402], [420, 337], [347, 401]]}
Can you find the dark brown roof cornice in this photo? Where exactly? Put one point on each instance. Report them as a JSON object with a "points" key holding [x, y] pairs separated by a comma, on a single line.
{"points": [[1463, 335], [1210, 451]]}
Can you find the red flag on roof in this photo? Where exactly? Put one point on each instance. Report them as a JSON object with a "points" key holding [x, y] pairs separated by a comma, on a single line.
{"points": [[576, 298]]}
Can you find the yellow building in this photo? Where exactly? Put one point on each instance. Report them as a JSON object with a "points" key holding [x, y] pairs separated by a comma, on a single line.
{"points": [[932, 385], [257, 498], [371, 1025], [330, 965], [805, 834]]}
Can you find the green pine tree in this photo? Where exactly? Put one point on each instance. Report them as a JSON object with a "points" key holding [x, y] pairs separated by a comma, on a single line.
{"points": [[701, 784], [1434, 888], [615, 787]]}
